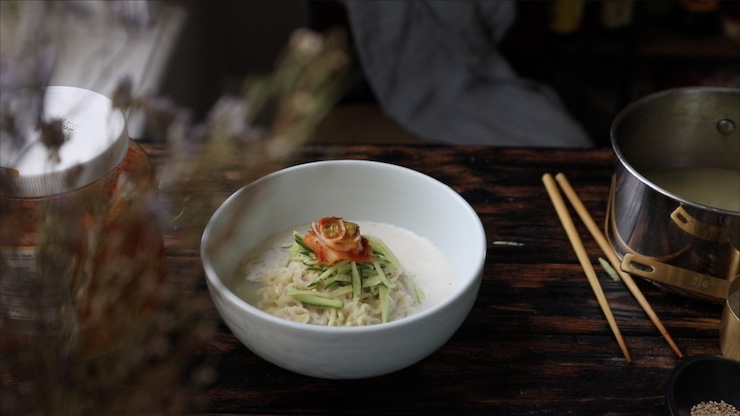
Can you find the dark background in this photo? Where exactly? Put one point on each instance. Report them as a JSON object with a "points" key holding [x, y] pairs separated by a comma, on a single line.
{"points": [[596, 71]]}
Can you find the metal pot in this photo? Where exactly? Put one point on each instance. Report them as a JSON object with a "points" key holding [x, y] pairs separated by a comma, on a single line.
{"points": [[674, 209]]}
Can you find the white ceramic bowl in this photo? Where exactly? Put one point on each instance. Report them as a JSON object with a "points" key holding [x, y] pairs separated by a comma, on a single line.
{"points": [[357, 191]]}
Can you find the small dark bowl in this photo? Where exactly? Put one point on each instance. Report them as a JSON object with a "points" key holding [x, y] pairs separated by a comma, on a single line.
{"points": [[702, 378]]}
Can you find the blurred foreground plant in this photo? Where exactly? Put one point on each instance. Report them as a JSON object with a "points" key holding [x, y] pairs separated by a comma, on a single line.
{"points": [[131, 338], [248, 135]]}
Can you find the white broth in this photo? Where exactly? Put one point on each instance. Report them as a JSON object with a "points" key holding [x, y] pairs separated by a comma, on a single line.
{"points": [[420, 258]]}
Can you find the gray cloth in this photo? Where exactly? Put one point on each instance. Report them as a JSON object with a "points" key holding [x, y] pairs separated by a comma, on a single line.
{"points": [[436, 70]]}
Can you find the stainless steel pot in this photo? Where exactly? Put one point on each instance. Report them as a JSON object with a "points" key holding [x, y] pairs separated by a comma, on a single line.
{"points": [[673, 211]]}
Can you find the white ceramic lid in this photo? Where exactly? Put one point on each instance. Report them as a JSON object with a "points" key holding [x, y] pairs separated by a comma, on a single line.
{"points": [[97, 141]]}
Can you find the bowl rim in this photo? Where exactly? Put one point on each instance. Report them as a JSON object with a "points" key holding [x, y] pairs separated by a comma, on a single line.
{"points": [[217, 285]]}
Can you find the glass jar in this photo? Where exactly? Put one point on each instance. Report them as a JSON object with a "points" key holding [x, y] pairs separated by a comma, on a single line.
{"points": [[81, 252]]}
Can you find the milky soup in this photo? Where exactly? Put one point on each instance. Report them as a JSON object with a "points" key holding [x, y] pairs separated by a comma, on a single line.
{"points": [[712, 187], [421, 260]]}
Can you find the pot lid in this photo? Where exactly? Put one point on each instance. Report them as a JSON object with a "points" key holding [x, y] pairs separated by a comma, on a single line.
{"points": [[96, 141]]}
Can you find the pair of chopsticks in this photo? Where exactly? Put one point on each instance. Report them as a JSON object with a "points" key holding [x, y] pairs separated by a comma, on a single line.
{"points": [[575, 240]]}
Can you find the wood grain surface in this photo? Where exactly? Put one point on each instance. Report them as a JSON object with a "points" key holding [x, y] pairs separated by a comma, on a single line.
{"points": [[536, 341]]}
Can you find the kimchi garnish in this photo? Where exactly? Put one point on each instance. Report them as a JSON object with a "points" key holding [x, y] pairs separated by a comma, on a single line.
{"points": [[333, 240]]}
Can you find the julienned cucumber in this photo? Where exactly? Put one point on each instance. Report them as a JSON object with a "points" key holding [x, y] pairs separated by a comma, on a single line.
{"points": [[312, 298], [377, 278]]}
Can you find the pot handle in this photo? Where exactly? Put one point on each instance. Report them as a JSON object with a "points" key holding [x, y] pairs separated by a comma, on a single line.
{"points": [[675, 276], [691, 225]]}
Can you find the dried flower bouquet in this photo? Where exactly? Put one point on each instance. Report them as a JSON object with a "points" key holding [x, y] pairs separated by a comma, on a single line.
{"points": [[130, 338]]}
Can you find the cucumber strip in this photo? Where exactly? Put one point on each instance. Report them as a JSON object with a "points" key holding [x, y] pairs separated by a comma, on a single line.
{"points": [[340, 291], [385, 303], [298, 238], [376, 278], [356, 282], [609, 269], [420, 296], [332, 286], [328, 272], [365, 271], [292, 291], [383, 277], [295, 253], [379, 246], [340, 278], [371, 281], [314, 298]]}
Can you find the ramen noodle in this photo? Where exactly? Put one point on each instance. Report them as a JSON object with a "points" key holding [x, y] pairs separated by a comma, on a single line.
{"points": [[269, 280]]}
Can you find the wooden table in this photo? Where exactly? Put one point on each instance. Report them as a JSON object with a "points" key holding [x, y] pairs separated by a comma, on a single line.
{"points": [[536, 341]]}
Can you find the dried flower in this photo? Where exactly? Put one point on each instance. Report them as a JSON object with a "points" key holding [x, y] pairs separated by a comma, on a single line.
{"points": [[228, 118], [123, 95], [135, 15], [52, 136], [119, 335]]}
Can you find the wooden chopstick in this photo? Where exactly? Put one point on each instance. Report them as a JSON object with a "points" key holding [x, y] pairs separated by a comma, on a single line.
{"points": [[613, 259], [575, 240]]}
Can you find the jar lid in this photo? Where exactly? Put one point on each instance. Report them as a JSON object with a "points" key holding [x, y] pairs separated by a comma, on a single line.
{"points": [[96, 141]]}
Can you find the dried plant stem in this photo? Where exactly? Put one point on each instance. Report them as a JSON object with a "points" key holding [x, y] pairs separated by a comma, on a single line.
{"points": [[611, 255], [123, 335], [575, 240]]}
